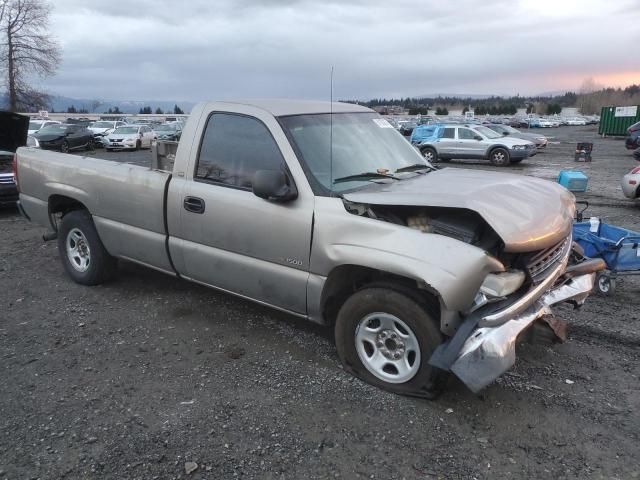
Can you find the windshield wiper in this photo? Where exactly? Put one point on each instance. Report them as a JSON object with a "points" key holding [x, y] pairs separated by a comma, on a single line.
{"points": [[415, 166], [364, 176]]}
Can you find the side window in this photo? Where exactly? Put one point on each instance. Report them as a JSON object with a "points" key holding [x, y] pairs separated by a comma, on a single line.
{"points": [[233, 148], [448, 133], [465, 134]]}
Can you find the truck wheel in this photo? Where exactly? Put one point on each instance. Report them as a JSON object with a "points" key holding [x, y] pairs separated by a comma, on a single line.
{"points": [[64, 148], [386, 338], [499, 157], [83, 255], [430, 154]]}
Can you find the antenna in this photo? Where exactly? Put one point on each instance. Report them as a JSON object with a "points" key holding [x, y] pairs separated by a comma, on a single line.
{"points": [[331, 135]]}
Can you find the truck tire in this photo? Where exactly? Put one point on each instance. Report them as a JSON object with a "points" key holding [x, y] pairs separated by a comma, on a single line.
{"points": [[83, 255], [499, 157], [430, 154], [386, 338]]}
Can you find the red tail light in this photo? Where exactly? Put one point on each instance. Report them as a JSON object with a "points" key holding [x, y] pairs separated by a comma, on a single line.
{"points": [[635, 170], [14, 166]]}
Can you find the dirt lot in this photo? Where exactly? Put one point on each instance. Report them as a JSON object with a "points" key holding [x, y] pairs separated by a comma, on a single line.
{"points": [[135, 378]]}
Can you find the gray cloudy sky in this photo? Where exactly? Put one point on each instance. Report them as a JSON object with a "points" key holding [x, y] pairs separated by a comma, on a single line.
{"points": [[202, 49]]}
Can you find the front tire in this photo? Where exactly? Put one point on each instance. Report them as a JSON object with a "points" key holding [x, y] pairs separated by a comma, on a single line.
{"points": [[430, 154], [64, 148], [83, 255], [386, 338], [499, 157]]}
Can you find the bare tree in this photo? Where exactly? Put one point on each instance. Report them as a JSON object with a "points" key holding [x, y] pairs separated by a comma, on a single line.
{"points": [[27, 49]]}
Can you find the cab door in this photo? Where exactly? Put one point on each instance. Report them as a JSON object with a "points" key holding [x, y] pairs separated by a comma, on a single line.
{"points": [[226, 236]]}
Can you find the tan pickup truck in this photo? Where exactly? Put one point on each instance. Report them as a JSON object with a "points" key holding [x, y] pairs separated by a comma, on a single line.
{"points": [[326, 212]]}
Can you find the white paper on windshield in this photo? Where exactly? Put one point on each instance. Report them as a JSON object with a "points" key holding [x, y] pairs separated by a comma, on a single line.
{"points": [[382, 123]]}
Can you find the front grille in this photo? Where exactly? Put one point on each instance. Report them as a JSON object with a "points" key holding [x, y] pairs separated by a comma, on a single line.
{"points": [[7, 180], [540, 264], [116, 140]]}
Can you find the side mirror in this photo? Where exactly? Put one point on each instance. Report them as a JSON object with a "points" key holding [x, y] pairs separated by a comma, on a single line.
{"points": [[273, 185], [478, 137]]}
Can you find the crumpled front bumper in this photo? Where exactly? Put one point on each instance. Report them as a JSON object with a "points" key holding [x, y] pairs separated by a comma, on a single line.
{"points": [[490, 351]]}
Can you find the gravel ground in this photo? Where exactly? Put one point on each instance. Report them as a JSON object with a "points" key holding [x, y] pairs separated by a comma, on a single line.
{"points": [[145, 375]]}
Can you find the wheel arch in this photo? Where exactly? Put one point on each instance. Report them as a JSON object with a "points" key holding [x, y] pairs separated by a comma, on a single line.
{"points": [[62, 204], [344, 280]]}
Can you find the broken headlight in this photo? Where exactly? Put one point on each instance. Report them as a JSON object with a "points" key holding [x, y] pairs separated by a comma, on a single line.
{"points": [[502, 284]]}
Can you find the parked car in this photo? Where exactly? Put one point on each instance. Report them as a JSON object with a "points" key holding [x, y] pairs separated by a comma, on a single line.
{"points": [[419, 271], [36, 125], [449, 141], [102, 128], [13, 128], [168, 131], [544, 123], [576, 121], [130, 137], [65, 137], [631, 183], [633, 140], [539, 140]]}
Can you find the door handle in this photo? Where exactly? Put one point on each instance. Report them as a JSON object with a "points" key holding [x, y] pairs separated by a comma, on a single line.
{"points": [[194, 204]]}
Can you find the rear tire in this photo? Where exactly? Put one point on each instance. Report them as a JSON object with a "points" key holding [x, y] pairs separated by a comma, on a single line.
{"points": [[83, 255], [64, 148], [499, 157], [386, 338]]}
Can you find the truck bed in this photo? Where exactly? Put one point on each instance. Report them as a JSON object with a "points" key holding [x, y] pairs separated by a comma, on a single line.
{"points": [[126, 201]]}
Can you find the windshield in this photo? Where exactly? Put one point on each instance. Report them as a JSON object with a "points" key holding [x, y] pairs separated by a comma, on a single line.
{"points": [[35, 125], [102, 125], [362, 142], [57, 129], [487, 132], [125, 130]]}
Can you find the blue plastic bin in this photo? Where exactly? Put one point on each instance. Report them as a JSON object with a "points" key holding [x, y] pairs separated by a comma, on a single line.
{"points": [[573, 180]]}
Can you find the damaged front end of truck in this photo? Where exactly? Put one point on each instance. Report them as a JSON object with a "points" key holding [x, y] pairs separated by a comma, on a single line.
{"points": [[533, 264]]}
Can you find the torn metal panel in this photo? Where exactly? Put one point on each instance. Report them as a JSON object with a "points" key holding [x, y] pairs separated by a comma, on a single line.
{"points": [[490, 351]]}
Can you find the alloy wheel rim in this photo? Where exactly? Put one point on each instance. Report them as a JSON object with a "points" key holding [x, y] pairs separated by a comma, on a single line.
{"points": [[387, 347], [78, 251]]}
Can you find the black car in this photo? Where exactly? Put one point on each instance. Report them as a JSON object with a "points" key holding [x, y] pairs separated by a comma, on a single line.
{"points": [[13, 134], [169, 131], [633, 139], [65, 138]]}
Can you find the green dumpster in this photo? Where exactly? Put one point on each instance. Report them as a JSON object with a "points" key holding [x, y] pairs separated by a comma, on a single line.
{"points": [[616, 120]]}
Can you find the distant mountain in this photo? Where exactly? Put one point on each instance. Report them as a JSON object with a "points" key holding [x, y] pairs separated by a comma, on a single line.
{"points": [[61, 104], [457, 95]]}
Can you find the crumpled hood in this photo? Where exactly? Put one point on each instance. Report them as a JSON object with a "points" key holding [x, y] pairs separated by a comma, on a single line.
{"points": [[527, 213]]}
